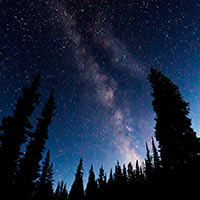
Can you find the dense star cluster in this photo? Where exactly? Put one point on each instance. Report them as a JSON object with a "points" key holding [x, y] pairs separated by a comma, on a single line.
{"points": [[96, 54]]}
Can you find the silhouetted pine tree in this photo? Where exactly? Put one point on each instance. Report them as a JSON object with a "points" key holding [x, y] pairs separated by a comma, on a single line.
{"points": [[45, 183], [14, 132], [148, 165], [118, 174], [110, 186], [110, 179], [57, 192], [77, 191], [91, 189], [61, 191], [30, 164], [105, 180], [177, 140], [124, 176], [124, 188], [101, 182], [101, 179], [137, 172], [139, 181], [142, 176], [118, 181], [131, 175]]}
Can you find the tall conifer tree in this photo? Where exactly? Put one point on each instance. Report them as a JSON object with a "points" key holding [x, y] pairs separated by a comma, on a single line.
{"points": [[177, 140], [91, 189], [118, 174], [101, 179], [110, 179], [101, 183], [57, 192], [30, 164], [124, 176], [61, 192], [45, 183], [137, 171], [110, 186], [130, 173], [77, 191], [14, 131], [148, 165]]}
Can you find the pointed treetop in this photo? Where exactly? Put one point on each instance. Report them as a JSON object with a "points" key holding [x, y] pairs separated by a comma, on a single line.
{"points": [[91, 177], [79, 171], [110, 179]]}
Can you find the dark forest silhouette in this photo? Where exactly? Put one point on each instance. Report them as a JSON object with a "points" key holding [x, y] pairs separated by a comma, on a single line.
{"points": [[174, 167]]}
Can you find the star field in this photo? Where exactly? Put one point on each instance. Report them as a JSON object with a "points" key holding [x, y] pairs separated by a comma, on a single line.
{"points": [[97, 54]]}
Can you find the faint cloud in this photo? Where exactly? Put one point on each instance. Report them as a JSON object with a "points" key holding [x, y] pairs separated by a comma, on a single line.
{"points": [[128, 153]]}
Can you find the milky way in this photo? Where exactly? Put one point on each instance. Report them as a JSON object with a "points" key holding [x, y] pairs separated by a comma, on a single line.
{"points": [[97, 54]]}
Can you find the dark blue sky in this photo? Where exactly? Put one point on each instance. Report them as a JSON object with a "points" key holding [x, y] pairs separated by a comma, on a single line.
{"points": [[97, 55]]}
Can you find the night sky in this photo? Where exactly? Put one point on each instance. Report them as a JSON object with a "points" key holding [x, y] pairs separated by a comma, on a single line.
{"points": [[97, 54]]}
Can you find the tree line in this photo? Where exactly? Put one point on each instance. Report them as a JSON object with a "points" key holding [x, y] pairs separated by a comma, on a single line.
{"points": [[171, 168]]}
